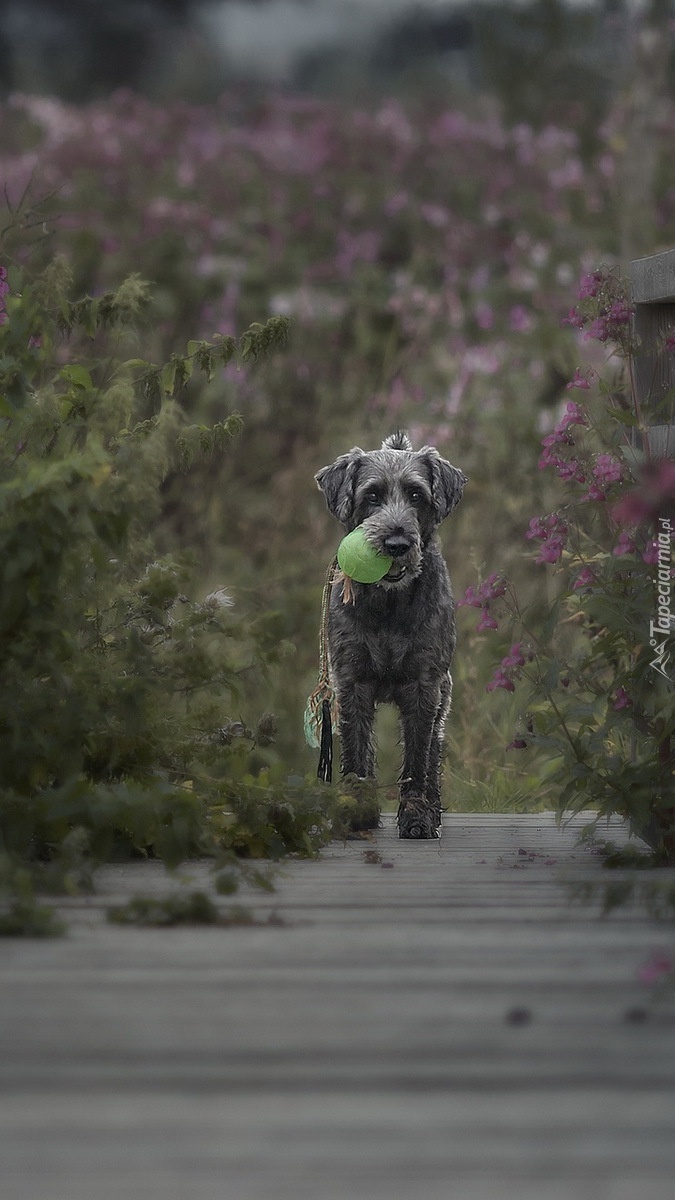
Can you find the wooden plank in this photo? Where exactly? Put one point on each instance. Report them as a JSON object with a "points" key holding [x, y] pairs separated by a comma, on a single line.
{"points": [[653, 365], [652, 287], [652, 279], [365, 1048]]}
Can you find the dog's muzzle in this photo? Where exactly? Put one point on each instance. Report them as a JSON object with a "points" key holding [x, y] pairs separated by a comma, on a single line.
{"points": [[396, 546]]}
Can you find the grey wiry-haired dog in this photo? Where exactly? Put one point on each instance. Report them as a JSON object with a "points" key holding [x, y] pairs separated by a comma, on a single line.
{"points": [[395, 642]]}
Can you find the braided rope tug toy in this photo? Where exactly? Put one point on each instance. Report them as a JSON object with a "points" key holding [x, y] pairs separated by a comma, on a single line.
{"points": [[321, 709], [356, 560]]}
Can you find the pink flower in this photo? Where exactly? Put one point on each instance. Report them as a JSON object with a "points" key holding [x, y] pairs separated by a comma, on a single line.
{"points": [[598, 330], [652, 498], [486, 622], [470, 599], [493, 587], [536, 528], [573, 415], [553, 532], [500, 680], [515, 657], [594, 493], [620, 312], [579, 381], [574, 318], [585, 578], [651, 552], [550, 551], [490, 589], [570, 470], [607, 469], [590, 285], [625, 545]]}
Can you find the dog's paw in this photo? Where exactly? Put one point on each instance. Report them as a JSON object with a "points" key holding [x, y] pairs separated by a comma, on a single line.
{"points": [[416, 819]]}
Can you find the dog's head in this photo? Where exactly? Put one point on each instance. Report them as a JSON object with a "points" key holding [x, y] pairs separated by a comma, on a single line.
{"points": [[399, 496]]}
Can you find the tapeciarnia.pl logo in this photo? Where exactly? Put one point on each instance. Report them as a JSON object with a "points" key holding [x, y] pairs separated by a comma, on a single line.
{"points": [[661, 627]]}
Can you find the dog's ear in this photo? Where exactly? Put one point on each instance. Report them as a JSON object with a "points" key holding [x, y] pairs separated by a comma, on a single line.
{"points": [[337, 482], [447, 482]]}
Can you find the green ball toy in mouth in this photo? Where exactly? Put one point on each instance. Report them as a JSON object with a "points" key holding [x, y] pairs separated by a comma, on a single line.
{"points": [[357, 558]]}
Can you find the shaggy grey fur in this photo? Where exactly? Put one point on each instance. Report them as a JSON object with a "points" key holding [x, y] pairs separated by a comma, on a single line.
{"points": [[395, 642]]}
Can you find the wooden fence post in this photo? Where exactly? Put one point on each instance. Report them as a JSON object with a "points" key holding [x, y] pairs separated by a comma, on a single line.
{"points": [[652, 289]]}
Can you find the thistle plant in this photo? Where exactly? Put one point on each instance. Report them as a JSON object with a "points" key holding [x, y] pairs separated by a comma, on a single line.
{"points": [[596, 668]]}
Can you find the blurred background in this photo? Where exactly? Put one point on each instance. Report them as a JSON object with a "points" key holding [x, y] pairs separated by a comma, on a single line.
{"points": [[419, 187]]}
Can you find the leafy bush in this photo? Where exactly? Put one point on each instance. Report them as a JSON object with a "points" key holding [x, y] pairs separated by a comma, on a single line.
{"points": [[600, 688], [115, 685], [426, 251]]}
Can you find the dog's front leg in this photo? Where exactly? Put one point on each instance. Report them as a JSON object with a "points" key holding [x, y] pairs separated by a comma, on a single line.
{"points": [[357, 715], [418, 704]]}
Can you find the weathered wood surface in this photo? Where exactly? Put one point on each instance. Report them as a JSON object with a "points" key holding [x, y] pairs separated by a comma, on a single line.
{"points": [[652, 278], [361, 1050], [652, 289]]}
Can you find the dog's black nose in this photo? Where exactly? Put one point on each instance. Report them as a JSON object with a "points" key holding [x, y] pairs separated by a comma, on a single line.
{"points": [[396, 545]]}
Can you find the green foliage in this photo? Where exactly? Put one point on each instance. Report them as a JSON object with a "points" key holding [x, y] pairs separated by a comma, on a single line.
{"points": [[114, 682], [507, 790], [268, 817], [599, 693], [195, 908], [25, 918], [656, 897], [427, 252]]}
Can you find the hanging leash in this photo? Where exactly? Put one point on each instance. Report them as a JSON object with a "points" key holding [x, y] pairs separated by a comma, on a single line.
{"points": [[321, 711]]}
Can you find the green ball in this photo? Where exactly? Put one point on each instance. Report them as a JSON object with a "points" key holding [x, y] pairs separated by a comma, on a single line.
{"points": [[357, 558]]}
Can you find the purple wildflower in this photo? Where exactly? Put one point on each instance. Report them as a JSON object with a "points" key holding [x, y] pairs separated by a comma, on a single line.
{"points": [[594, 493], [574, 318], [552, 531], [486, 621], [515, 656], [622, 700], [607, 469], [654, 495], [651, 552], [585, 578], [590, 285], [550, 551], [625, 545], [470, 599], [500, 680], [579, 381]]}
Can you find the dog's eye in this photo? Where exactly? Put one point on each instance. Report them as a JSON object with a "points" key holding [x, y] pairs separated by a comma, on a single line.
{"points": [[417, 497], [372, 497]]}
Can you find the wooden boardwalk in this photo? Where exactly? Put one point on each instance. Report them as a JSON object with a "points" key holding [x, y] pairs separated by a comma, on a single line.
{"points": [[447, 1027]]}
